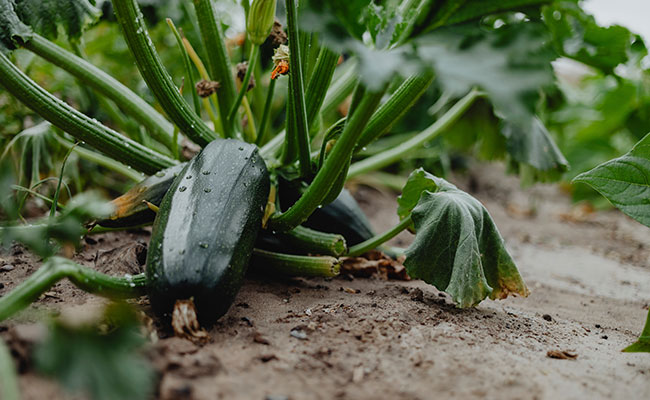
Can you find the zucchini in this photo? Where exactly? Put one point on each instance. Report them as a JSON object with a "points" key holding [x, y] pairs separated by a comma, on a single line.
{"points": [[204, 232], [342, 216], [130, 208]]}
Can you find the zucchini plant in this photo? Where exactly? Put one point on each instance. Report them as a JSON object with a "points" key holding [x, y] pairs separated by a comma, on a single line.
{"points": [[268, 185]]}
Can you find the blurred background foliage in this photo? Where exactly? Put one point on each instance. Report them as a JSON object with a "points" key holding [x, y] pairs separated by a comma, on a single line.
{"points": [[598, 109]]}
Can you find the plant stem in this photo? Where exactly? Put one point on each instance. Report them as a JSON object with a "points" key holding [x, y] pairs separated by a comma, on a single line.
{"points": [[188, 69], [87, 279], [375, 241], [218, 60], [333, 167], [156, 76], [394, 109], [390, 156], [159, 128], [204, 75], [305, 240], [77, 124], [8, 379], [266, 115], [101, 160], [289, 264], [57, 192], [320, 82], [341, 87], [252, 58], [297, 89]]}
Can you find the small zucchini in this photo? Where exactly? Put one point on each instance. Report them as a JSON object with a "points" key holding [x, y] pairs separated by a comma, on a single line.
{"points": [[131, 209], [204, 233]]}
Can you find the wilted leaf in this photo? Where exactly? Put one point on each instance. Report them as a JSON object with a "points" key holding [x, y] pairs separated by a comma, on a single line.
{"points": [[457, 246], [625, 181], [103, 364]]}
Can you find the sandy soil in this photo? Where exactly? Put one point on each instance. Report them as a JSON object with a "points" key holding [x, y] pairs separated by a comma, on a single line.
{"points": [[354, 338]]}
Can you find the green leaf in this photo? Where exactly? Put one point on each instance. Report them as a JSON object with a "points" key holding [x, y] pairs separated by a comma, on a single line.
{"points": [[534, 147], [457, 246], [419, 181], [577, 35], [46, 16], [11, 28], [625, 181], [643, 344], [105, 365], [511, 64]]}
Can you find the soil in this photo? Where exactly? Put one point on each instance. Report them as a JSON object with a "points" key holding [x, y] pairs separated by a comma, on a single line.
{"points": [[369, 338]]}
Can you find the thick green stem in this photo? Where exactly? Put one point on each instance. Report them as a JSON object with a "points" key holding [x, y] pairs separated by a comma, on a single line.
{"points": [[333, 167], [394, 109], [341, 87], [393, 155], [77, 124], [102, 160], [266, 115], [299, 113], [57, 268], [232, 115], [218, 60], [159, 128], [320, 82], [289, 264], [309, 241], [375, 241], [8, 379], [156, 76]]}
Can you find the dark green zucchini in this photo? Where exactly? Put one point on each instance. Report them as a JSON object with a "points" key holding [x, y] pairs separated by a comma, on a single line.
{"points": [[130, 209], [205, 229], [342, 216]]}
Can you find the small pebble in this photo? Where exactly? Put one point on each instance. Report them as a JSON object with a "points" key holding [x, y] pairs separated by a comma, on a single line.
{"points": [[547, 317], [299, 334], [604, 337], [7, 268]]}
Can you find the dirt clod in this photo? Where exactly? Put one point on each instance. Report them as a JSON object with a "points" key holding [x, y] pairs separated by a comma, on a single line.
{"points": [[561, 354]]}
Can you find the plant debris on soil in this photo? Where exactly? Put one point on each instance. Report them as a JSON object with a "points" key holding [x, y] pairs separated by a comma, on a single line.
{"points": [[373, 334]]}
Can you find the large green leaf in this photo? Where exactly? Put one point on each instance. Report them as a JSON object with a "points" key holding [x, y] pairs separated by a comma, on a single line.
{"points": [[577, 35], [11, 27], [625, 181], [510, 64], [46, 16], [457, 246], [643, 344]]}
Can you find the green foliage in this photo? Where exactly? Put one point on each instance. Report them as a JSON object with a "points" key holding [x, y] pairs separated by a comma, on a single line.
{"points": [[102, 361], [457, 247], [47, 17], [643, 344], [625, 181], [11, 27], [577, 35]]}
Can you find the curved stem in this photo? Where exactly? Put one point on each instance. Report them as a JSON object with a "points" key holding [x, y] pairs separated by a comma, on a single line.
{"points": [[333, 167], [393, 155], [252, 58], [218, 60], [57, 268], [375, 241], [266, 115], [299, 113], [77, 124], [156, 76], [159, 128], [289, 264]]}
